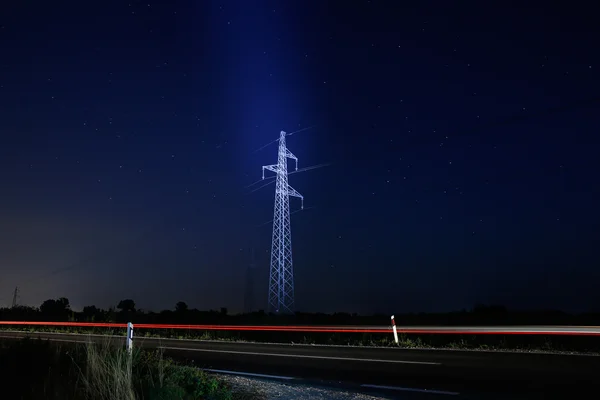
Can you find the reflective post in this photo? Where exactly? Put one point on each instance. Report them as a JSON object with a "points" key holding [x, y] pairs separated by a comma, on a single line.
{"points": [[129, 342], [394, 329]]}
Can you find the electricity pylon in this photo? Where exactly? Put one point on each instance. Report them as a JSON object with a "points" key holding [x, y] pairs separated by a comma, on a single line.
{"points": [[15, 297], [281, 276]]}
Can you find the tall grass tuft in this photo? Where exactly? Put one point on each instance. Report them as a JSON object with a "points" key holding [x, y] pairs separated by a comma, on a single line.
{"points": [[37, 369], [107, 373]]}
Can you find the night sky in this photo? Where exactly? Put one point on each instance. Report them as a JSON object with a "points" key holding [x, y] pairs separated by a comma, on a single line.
{"points": [[458, 149]]}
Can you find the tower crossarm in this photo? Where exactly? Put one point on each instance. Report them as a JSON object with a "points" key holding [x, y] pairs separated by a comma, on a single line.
{"points": [[291, 155], [292, 192], [273, 168]]}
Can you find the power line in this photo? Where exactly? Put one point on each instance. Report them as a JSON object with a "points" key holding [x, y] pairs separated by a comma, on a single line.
{"points": [[287, 134], [301, 130], [266, 145]]}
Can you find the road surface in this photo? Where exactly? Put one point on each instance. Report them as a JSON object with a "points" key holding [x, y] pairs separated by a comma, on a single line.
{"points": [[468, 373]]}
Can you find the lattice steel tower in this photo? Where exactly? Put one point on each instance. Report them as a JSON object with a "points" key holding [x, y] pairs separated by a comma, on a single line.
{"points": [[281, 276]]}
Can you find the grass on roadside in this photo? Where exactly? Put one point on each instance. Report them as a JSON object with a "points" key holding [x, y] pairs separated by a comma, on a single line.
{"points": [[33, 369]]}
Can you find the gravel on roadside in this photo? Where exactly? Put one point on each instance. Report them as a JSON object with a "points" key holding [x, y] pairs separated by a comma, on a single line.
{"points": [[259, 389]]}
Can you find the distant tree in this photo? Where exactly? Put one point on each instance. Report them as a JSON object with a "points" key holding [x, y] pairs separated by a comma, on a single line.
{"points": [[91, 313], [126, 306], [20, 313], [181, 306], [64, 302], [90, 310], [56, 307], [111, 315], [223, 310]]}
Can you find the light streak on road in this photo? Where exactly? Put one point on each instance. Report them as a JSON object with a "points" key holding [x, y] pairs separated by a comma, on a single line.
{"points": [[432, 330]]}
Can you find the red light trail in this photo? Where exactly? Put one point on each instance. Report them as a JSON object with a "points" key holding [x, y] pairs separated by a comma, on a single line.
{"points": [[433, 330]]}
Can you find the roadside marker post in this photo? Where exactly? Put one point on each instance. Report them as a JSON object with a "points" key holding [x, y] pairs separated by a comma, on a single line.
{"points": [[129, 342], [395, 331]]}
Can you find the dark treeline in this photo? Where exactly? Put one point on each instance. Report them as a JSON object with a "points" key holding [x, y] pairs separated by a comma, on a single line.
{"points": [[126, 311]]}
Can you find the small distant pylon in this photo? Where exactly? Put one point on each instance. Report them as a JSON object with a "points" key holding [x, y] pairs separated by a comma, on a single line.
{"points": [[15, 297], [281, 277]]}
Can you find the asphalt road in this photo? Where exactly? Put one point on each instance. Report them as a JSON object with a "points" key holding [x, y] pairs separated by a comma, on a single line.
{"points": [[472, 374]]}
